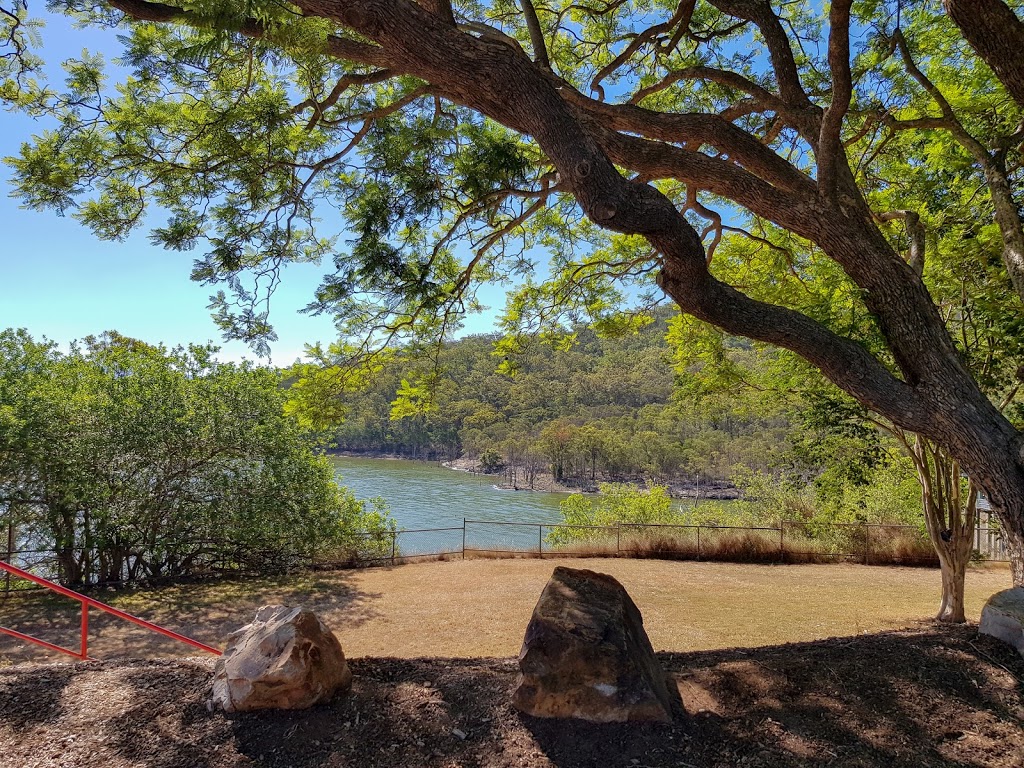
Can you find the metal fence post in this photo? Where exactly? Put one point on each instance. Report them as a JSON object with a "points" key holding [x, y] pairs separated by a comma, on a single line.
{"points": [[540, 540], [782, 541], [867, 542], [463, 538], [10, 556], [394, 542], [698, 542], [618, 537], [85, 631]]}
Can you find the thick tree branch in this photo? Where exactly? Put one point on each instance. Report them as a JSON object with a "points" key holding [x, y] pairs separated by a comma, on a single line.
{"points": [[916, 123], [843, 361], [760, 13], [540, 48], [720, 76], [483, 77], [683, 16], [916, 233], [338, 47], [829, 142], [693, 130], [505, 85], [440, 8], [658, 160], [997, 34]]}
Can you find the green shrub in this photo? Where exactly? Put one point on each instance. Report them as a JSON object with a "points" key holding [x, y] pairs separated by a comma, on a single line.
{"points": [[131, 461]]}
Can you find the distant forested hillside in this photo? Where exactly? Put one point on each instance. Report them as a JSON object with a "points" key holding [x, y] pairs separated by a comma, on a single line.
{"points": [[614, 408]]}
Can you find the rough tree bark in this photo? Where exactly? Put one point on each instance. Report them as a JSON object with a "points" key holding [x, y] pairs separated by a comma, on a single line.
{"points": [[932, 394], [995, 32]]}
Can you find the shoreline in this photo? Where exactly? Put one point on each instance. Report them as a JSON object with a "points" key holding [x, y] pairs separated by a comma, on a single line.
{"points": [[678, 488]]}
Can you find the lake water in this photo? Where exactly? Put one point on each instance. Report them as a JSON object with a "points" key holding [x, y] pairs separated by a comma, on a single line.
{"points": [[425, 495]]}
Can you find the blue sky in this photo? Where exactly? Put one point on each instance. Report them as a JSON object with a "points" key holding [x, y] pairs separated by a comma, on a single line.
{"points": [[59, 281]]}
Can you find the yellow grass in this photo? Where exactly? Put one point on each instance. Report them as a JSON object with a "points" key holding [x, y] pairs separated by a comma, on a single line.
{"points": [[481, 607]]}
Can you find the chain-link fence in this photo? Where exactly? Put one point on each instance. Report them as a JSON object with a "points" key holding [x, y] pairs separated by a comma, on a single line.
{"points": [[485, 537], [790, 542]]}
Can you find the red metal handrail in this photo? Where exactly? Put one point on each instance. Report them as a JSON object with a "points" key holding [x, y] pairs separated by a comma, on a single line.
{"points": [[87, 603]]}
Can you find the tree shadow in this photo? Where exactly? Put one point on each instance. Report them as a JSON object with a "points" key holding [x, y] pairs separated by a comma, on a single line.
{"points": [[31, 695], [400, 712], [205, 611], [932, 696], [937, 696]]}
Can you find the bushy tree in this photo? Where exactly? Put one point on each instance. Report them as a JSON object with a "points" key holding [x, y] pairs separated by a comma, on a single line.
{"points": [[132, 461], [586, 517]]}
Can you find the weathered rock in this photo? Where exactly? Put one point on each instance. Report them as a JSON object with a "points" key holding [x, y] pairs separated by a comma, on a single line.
{"points": [[1003, 617], [586, 655], [286, 659]]}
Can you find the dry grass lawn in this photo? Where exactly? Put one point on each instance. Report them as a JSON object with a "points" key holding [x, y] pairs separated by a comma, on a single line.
{"points": [[477, 608]]}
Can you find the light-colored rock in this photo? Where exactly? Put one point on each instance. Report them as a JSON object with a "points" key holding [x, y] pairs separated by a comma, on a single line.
{"points": [[586, 655], [1003, 617], [285, 659]]}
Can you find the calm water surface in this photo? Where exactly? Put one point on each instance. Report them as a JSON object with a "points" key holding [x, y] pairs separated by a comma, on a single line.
{"points": [[426, 495]]}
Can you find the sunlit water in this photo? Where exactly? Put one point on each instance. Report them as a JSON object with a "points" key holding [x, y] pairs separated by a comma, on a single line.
{"points": [[425, 495]]}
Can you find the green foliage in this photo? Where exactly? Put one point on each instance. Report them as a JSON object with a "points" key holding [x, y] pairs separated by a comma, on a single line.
{"points": [[812, 523], [891, 495], [267, 151], [132, 461], [616, 503], [250, 145], [491, 460]]}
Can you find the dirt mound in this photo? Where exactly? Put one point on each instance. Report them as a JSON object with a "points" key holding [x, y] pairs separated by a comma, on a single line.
{"points": [[931, 696]]}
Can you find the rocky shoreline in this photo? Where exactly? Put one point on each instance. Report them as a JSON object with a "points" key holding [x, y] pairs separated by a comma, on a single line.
{"points": [[679, 488], [545, 482]]}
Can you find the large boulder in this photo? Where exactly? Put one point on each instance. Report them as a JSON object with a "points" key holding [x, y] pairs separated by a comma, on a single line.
{"points": [[1003, 617], [285, 659], [586, 655]]}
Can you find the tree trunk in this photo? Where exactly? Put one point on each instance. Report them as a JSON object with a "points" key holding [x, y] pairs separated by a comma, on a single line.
{"points": [[993, 463], [951, 609], [1015, 547], [949, 517]]}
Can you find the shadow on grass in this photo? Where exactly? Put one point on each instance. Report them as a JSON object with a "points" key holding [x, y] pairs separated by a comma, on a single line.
{"points": [[932, 696], [205, 611]]}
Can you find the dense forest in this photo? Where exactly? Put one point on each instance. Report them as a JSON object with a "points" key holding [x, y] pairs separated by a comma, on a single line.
{"points": [[598, 408]]}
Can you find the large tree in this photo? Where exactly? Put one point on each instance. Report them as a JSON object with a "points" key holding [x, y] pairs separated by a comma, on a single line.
{"points": [[607, 132]]}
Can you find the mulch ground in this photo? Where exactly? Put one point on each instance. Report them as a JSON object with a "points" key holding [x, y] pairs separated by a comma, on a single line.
{"points": [[927, 696]]}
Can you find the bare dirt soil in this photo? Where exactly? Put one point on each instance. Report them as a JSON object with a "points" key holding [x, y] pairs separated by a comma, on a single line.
{"points": [[921, 697]]}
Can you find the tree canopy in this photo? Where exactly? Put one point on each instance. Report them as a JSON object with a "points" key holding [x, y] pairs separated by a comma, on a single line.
{"points": [[795, 173]]}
